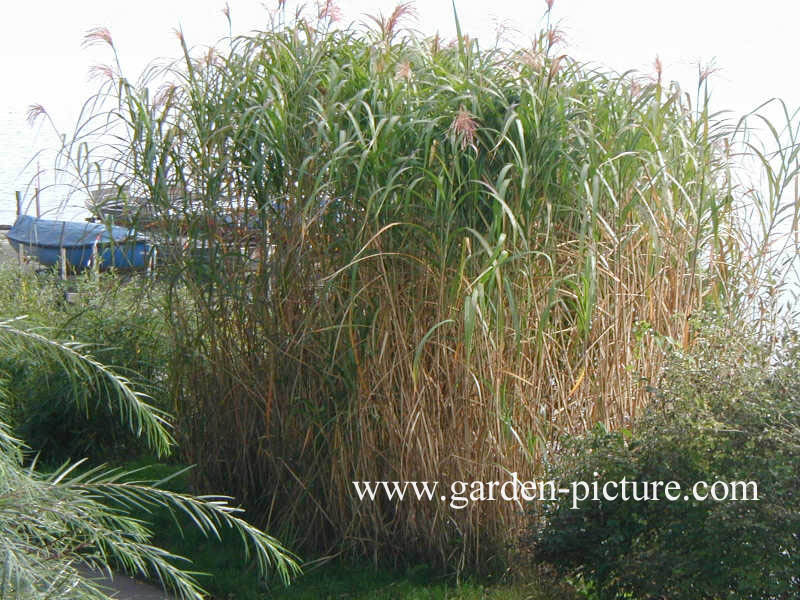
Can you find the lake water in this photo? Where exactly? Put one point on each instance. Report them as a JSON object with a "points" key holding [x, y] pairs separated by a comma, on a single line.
{"points": [[19, 145]]}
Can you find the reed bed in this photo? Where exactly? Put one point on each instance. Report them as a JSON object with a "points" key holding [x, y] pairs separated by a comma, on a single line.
{"points": [[404, 258]]}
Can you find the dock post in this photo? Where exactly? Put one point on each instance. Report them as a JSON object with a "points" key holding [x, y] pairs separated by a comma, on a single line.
{"points": [[95, 260], [151, 263], [20, 251], [63, 262]]}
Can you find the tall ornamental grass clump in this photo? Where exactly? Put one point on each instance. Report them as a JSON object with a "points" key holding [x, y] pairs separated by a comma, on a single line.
{"points": [[401, 258]]}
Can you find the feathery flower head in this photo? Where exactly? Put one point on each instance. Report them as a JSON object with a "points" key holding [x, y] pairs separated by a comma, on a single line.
{"points": [[403, 71], [98, 35], [659, 68], [464, 127], [329, 11], [101, 72], [34, 112]]}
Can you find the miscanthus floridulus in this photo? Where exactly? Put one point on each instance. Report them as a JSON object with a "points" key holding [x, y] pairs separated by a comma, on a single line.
{"points": [[395, 257]]}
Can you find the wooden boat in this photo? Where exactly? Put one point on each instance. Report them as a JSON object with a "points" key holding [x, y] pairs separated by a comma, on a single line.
{"points": [[82, 242], [114, 204]]}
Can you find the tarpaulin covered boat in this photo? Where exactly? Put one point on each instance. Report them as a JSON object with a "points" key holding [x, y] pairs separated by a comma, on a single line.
{"points": [[82, 242]]}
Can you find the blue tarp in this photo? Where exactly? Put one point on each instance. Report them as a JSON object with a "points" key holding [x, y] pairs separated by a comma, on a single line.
{"points": [[83, 243], [44, 233]]}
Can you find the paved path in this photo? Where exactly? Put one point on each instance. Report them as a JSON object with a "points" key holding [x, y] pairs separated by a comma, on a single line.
{"points": [[126, 588]]}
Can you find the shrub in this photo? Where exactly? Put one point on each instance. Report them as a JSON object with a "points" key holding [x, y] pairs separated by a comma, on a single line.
{"points": [[728, 410], [48, 412]]}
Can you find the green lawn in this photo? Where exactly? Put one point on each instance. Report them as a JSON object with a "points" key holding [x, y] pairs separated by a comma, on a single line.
{"points": [[233, 577], [365, 583]]}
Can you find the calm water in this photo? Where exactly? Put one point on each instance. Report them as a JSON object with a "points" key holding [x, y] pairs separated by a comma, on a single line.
{"points": [[19, 144]]}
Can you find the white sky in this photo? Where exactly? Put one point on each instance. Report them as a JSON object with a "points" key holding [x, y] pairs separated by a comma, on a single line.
{"points": [[42, 61]]}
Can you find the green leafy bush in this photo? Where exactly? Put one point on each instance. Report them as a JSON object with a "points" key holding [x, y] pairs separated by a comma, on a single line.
{"points": [[119, 327], [729, 410]]}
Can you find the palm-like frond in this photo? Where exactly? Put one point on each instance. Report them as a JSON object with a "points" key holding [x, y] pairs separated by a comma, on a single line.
{"points": [[53, 527], [87, 374]]}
